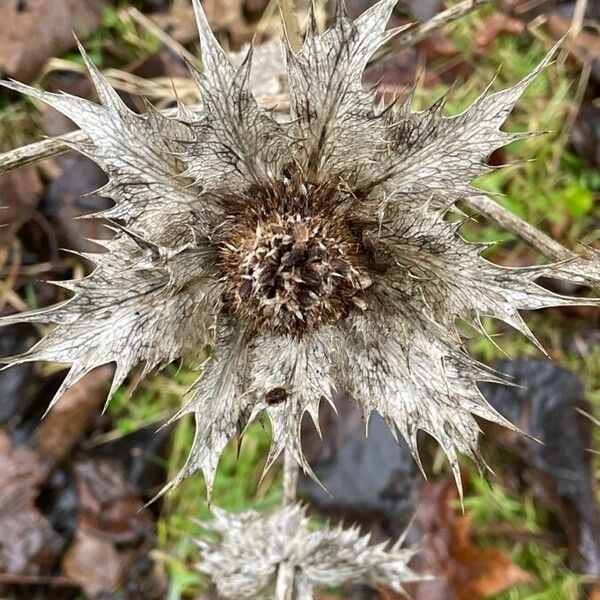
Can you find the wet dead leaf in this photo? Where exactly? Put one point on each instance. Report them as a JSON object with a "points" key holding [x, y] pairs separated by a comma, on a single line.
{"points": [[15, 382], [559, 469], [110, 507], [178, 21], [225, 16], [255, 8], [419, 10], [434, 60], [28, 544], [70, 196], [461, 569], [112, 520], [490, 28], [585, 134], [368, 479], [32, 31], [530, 9], [93, 563], [155, 5], [62, 429], [375, 482], [143, 455], [164, 63]]}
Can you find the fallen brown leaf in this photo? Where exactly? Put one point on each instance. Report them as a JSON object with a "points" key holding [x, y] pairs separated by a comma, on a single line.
{"points": [[255, 8], [93, 563], [113, 524], [390, 493], [155, 5], [32, 31], [461, 569], [491, 27], [228, 16], [178, 22], [225, 16], [419, 10], [109, 505], [70, 418], [595, 592], [530, 9], [70, 196], [488, 571], [15, 383], [28, 544]]}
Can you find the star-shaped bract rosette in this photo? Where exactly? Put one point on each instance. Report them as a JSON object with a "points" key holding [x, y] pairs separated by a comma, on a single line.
{"points": [[312, 255]]}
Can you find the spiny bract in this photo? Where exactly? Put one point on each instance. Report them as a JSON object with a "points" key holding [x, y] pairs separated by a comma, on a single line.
{"points": [[244, 561], [312, 255]]}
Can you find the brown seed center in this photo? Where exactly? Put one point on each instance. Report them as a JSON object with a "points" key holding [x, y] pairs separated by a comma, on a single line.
{"points": [[292, 272]]}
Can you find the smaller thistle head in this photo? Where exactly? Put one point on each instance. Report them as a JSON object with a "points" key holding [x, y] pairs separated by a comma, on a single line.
{"points": [[250, 548]]}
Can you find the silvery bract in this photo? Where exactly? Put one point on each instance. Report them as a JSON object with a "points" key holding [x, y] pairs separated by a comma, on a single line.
{"points": [[312, 255], [244, 560]]}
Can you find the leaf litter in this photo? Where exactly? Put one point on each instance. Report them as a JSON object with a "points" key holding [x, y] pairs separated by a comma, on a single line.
{"points": [[391, 496]]}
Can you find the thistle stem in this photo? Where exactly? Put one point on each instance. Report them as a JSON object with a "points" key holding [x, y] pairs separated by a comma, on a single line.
{"points": [[544, 244], [290, 478], [284, 587], [579, 268]]}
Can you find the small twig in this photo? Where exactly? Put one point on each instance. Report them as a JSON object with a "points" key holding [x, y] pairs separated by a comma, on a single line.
{"points": [[528, 233], [574, 30], [284, 589], [7, 286], [32, 153], [419, 31], [50, 581], [584, 269], [291, 24], [164, 37], [575, 106]]}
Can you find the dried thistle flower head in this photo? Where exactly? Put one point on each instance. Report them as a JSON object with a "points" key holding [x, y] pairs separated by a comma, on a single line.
{"points": [[250, 548], [312, 255]]}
